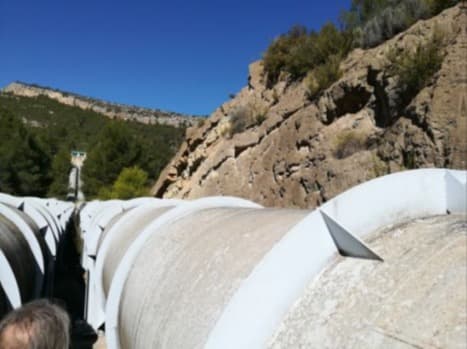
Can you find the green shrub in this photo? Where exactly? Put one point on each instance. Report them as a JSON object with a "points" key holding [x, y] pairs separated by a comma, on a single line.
{"points": [[24, 163], [201, 122], [391, 20], [380, 168], [130, 183], [416, 68], [241, 119], [436, 6], [348, 143], [260, 118], [331, 42], [59, 170], [275, 97], [277, 56], [299, 52], [244, 117], [409, 159], [374, 21], [323, 76], [367, 24]]}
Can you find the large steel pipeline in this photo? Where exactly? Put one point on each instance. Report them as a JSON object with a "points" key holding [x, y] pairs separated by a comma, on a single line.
{"points": [[20, 258], [192, 268], [224, 272], [30, 231]]}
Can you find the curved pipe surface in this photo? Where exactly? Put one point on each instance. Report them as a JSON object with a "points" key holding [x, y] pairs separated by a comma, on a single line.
{"points": [[119, 279], [26, 262], [30, 232], [298, 256], [20, 258]]}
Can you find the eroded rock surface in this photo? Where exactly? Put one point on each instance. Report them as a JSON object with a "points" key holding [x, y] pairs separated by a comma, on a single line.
{"points": [[298, 152]]}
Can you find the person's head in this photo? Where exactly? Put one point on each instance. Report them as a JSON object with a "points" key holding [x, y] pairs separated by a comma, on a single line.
{"points": [[36, 325]]}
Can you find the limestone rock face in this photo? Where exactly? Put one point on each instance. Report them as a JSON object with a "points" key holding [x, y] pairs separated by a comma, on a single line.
{"points": [[295, 152], [112, 110]]}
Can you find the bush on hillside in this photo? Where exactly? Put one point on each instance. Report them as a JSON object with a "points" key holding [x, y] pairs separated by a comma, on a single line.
{"points": [[367, 24], [59, 170], [278, 53], [116, 148], [23, 162], [130, 183], [323, 76], [415, 68], [246, 116], [298, 52], [348, 143], [374, 21], [436, 6], [240, 120], [391, 20]]}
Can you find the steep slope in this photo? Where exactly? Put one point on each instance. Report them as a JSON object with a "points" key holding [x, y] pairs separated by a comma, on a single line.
{"points": [[293, 151], [112, 110]]}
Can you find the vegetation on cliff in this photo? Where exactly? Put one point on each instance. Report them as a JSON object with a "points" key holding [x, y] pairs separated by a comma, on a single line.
{"points": [[38, 134], [368, 23], [396, 106], [415, 68]]}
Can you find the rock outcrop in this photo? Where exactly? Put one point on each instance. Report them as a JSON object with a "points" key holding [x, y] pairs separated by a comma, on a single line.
{"points": [[293, 151], [112, 110]]}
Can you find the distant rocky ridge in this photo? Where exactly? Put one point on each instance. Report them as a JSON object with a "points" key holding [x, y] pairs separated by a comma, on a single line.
{"points": [[299, 152], [112, 110]]}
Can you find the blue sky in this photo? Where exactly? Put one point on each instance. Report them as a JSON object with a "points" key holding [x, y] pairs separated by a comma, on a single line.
{"points": [[184, 56]]}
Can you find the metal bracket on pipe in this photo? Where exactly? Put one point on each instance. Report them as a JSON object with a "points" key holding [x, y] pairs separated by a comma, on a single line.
{"points": [[346, 243]]}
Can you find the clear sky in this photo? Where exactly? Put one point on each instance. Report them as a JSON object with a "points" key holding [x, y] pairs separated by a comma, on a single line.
{"points": [[184, 56]]}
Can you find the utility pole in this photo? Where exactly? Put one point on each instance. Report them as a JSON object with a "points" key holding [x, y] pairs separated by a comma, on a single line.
{"points": [[74, 187]]}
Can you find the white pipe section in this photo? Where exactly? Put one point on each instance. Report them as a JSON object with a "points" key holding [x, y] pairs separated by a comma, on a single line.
{"points": [[52, 222], [116, 289], [8, 282], [253, 312], [138, 202], [50, 218], [102, 218], [97, 225], [455, 190], [135, 217], [300, 256], [43, 225], [28, 234], [125, 230], [389, 200], [10, 200]]}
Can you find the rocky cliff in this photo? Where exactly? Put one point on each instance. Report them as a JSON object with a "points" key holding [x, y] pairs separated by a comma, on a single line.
{"points": [[297, 151], [112, 110]]}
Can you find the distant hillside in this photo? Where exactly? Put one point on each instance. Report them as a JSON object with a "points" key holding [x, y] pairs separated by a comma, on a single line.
{"points": [[112, 110], [38, 133]]}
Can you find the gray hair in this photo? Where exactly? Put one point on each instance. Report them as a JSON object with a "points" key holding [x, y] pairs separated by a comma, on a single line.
{"points": [[39, 324]]}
